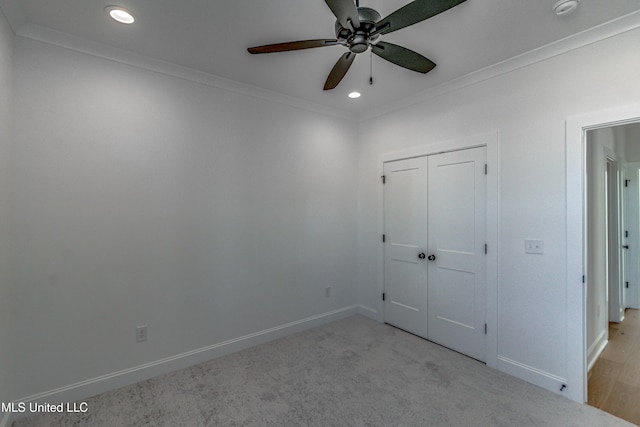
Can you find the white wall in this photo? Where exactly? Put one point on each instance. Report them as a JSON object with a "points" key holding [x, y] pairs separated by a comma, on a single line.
{"points": [[632, 142], [528, 107], [620, 143], [143, 198], [6, 137]]}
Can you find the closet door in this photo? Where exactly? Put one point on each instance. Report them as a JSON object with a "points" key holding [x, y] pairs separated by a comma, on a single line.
{"points": [[457, 270], [435, 263], [405, 218]]}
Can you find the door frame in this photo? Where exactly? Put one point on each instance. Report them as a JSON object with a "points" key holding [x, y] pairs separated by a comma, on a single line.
{"points": [[631, 213], [575, 142], [614, 246], [491, 142]]}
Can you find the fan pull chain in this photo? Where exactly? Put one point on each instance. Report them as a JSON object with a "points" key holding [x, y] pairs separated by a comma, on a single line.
{"points": [[370, 68]]}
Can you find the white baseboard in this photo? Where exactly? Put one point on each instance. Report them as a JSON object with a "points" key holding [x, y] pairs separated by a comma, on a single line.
{"points": [[596, 349], [91, 387], [532, 375], [369, 312], [6, 420]]}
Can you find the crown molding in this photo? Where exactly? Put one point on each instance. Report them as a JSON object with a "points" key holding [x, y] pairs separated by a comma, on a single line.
{"points": [[12, 10], [598, 33], [122, 56]]}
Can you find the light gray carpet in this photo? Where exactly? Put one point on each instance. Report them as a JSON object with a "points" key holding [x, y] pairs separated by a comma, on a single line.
{"points": [[354, 372]]}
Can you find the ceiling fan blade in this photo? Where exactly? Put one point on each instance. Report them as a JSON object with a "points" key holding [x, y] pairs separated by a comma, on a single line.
{"points": [[297, 45], [414, 12], [339, 70], [403, 57], [345, 11]]}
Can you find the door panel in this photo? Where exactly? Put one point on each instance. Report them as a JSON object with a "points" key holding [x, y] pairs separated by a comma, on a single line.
{"points": [[456, 230], [452, 186], [454, 305], [405, 230]]}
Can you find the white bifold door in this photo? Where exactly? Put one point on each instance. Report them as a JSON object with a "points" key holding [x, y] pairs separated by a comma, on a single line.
{"points": [[435, 252]]}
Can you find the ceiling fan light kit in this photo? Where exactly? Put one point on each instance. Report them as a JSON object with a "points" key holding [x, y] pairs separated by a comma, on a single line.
{"points": [[565, 7], [359, 28]]}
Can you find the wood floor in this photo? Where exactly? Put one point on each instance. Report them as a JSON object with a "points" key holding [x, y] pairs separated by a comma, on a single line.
{"points": [[614, 380]]}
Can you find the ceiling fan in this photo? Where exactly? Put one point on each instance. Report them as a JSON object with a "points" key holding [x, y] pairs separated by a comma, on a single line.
{"points": [[359, 28]]}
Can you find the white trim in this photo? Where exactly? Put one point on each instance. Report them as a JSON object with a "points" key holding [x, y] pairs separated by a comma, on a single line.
{"points": [[15, 16], [121, 56], [531, 374], [491, 142], [104, 383], [439, 147], [609, 29], [576, 126], [615, 311], [493, 237], [631, 200], [7, 420], [369, 312], [596, 349]]}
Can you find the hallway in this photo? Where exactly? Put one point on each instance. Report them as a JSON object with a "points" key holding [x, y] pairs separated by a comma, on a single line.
{"points": [[614, 380]]}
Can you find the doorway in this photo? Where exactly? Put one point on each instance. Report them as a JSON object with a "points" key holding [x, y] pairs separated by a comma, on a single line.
{"points": [[577, 267], [603, 229], [613, 340], [435, 212]]}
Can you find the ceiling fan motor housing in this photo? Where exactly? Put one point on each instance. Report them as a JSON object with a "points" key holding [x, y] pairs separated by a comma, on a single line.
{"points": [[359, 40]]}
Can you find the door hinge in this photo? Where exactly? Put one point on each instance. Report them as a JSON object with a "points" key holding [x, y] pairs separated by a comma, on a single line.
{"points": [[626, 233], [384, 179], [486, 169], [584, 279], [626, 284], [486, 249], [384, 238], [626, 182], [485, 329], [384, 296]]}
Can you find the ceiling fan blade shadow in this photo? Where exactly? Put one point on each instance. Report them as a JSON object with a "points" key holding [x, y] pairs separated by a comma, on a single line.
{"points": [[414, 12], [403, 57], [288, 46], [345, 11], [339, 70]]}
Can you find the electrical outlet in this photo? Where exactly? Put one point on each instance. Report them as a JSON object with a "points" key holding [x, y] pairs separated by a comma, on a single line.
{"points": [[534, 246], [327, 292], [141, 333]]}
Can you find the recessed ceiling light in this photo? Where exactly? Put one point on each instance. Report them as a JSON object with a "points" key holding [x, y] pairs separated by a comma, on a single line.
{"points": [[120, 14], [354, 95], [565, 7]]}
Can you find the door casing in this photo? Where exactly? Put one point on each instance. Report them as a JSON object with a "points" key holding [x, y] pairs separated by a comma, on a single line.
{"points": [[631, 215], [576, 128]]}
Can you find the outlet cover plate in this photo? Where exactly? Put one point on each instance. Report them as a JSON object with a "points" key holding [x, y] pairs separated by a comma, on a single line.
{"points": [[534, 246], [141, 333]]}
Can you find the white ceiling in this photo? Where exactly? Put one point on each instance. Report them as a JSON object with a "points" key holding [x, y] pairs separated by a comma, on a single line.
{"points": [[212, 36]]}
